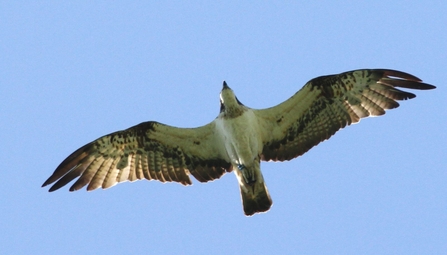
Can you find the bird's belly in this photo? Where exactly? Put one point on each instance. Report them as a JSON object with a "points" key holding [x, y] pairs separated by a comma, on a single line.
{"points": [[241, 138]]}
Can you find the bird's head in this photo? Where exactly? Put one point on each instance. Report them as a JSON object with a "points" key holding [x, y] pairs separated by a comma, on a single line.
{"points": [[229, 104]]}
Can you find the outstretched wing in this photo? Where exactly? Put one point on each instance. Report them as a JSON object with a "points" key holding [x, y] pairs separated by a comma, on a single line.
{"points": [[328, 103], [150, 150]]}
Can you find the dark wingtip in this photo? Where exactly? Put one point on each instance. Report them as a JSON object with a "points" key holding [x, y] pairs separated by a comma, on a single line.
{"points": [[403, 80], [425, 86], [53, 188], [44, 184], [67, 165], [399, 74], [48, 181]]}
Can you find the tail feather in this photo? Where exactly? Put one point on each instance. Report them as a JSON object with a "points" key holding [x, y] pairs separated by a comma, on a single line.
{"points": [[255, 198]]}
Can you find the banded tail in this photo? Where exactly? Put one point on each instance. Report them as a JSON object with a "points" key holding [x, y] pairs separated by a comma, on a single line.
{"points": [[255, 195], [255, 198]]}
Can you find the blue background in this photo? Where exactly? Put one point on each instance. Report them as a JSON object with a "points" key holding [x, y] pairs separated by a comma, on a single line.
{"points": [[73, 71]]}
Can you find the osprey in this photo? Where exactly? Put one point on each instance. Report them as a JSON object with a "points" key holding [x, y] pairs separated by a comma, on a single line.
{"points": [[238, 139]]}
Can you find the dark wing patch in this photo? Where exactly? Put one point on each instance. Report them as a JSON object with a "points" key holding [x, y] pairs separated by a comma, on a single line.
{"points": [[150, 150], [328, 103]]}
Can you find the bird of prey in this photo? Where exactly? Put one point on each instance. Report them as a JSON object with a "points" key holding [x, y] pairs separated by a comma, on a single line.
{"points": [[238, 139]]}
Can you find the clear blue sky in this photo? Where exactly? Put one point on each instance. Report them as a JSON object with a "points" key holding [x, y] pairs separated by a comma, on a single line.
{"points": [[71, 72]]}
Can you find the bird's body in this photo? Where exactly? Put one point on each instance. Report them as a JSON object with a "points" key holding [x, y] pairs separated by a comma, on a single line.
{"points": [[240, 131], [238, 139]]}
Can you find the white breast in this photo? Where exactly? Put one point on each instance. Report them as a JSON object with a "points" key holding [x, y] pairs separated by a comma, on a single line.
{"points": [[241, 137]]}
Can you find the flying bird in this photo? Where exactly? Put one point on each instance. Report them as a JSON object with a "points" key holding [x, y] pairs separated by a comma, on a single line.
{"points": [[238, 139]]}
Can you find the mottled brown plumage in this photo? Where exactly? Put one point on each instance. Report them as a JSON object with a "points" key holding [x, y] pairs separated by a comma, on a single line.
{"points": [[336, 101], [137, 153]]}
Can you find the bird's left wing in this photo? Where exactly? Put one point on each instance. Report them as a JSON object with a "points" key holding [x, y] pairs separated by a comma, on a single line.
{"points": [[150, 150], [328, 103]]}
